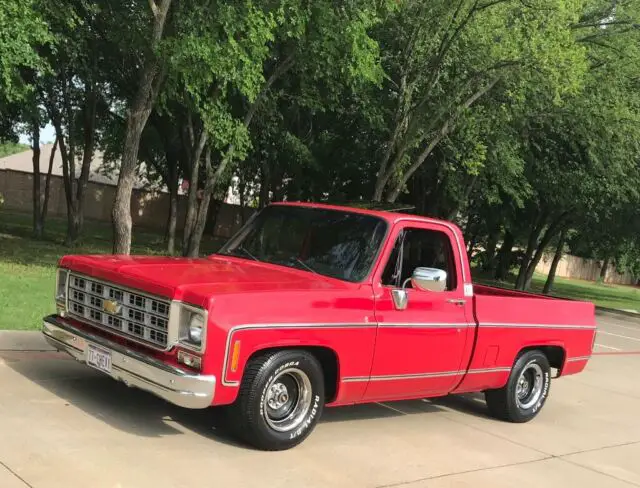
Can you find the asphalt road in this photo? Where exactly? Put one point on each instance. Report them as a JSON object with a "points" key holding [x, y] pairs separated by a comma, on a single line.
{"points": [[65, 425]]}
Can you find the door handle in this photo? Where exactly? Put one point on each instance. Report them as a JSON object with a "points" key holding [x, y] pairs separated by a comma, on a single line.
{"points": [[457, 301]]}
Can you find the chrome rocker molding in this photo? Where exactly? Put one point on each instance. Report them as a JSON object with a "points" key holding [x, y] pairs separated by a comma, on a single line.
{"points": [[134, 369]]}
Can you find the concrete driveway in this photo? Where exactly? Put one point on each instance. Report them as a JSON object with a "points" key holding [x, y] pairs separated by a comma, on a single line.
{"points": [[65, 425]]}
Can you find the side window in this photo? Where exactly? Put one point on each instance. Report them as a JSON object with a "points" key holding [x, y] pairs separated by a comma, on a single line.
{"points": [[419, 248]]}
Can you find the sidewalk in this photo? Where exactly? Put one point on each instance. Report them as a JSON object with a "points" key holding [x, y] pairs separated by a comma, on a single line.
{"points": [[18, 340]]}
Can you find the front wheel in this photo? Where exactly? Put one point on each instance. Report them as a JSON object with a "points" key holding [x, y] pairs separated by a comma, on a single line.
{"points": [[280, 400], [524, 395]]}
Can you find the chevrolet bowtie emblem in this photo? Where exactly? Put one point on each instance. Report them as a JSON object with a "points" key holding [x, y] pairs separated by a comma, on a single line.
{"points": [[111, 306]]}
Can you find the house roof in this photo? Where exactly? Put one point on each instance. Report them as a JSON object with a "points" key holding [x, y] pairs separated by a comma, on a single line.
{"points": [[23, 162]]}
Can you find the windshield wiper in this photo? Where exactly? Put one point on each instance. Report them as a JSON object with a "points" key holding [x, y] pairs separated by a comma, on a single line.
{"points": [[246, 252], [304, 265]]}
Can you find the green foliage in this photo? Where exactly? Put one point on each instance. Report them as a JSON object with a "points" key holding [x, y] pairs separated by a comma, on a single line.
{"points": [[22, 32], [10, 148]]}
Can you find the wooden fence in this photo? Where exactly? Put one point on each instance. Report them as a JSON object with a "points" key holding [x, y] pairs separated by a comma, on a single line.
{"points": [[584, 269]]}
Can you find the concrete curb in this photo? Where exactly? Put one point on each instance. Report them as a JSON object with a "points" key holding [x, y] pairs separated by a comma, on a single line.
{"points": [[617, 313], [21, 340]]}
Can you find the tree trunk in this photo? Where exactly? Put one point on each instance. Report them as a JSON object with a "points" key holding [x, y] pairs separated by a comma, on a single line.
{"points": [[548, 286], [193, 249], [195, 150], [468, 230], [400, 125], [137, 117], [277, 188], [193, 245], [173, 205], [37, 220], [524, 265], [73, 227], [265, 184], [472, 244], [242, 190], [490, 251], [548, 236], [89, 124], [505, 256], [47, 185], [68, 172], [605, 268]]}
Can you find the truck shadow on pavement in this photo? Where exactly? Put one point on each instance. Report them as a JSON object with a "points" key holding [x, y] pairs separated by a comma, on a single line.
{"points": [[140, 413]]}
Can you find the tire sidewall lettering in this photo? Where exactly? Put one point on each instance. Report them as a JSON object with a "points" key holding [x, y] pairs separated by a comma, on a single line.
{"points": [[545, 393], [308, 420], [543, 396]]}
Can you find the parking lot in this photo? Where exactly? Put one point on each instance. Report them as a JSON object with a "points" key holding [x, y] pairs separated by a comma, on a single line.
{"points": [[65, 425]]}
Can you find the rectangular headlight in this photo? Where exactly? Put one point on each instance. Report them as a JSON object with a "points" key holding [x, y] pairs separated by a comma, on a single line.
{"points": [[61, 286], [193, 327]]}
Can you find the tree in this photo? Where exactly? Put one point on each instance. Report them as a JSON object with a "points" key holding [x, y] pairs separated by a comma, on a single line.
{"points": [[40, 198], [149, 80], [23, 32], [557, 256], [478, 46], [75, 92], [268, 41]]}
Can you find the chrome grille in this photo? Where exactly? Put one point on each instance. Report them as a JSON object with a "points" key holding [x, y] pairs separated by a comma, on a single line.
{"points": [[140, 317]]}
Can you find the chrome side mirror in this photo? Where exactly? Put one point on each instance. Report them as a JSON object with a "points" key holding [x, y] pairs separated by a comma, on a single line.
{"points": [[429, 279]]}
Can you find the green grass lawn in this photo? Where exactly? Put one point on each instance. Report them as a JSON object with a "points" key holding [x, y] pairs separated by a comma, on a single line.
{"points": [[27, 266], [603, 295]]}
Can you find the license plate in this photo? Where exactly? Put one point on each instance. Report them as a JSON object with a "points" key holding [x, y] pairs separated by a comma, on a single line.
{"points": [[99, 358]]}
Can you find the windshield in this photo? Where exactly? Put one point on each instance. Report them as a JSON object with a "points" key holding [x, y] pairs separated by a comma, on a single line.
{"points": [[333, 243]]}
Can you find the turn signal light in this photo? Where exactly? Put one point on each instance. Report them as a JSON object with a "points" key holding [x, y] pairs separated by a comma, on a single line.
{"points": [[235, 356], [190, 360]]}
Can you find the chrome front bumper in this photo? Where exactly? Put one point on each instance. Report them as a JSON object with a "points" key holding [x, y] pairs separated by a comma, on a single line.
{"points": [[131, 367]]}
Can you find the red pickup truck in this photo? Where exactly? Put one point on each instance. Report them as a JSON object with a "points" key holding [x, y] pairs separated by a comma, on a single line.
{"points": [[314, 305]]}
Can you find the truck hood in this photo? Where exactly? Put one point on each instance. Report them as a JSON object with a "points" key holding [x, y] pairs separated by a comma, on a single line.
{"points": [[195, 280]]}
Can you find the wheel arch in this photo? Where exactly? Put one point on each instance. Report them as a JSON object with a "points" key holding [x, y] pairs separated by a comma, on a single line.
{"points": [[556, 354], [326, 356]]}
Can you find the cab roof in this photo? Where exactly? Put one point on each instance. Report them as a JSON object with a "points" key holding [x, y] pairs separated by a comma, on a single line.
{"points": [[390, 216]]}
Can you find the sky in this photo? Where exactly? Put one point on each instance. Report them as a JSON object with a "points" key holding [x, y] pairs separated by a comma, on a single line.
{"points": [[47, 136]]}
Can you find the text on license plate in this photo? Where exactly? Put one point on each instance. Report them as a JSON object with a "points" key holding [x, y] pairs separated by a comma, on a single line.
{"points": [[99, 358]]}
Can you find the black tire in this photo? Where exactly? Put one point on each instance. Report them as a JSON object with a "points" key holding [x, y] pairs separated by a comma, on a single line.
{"points": [[250, 414], [512, 403]]}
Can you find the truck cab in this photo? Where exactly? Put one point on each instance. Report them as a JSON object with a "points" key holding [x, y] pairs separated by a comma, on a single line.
{"points": [[312, 306]]}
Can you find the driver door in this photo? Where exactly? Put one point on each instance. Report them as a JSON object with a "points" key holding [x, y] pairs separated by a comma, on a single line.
{"points": [[420, 349]]}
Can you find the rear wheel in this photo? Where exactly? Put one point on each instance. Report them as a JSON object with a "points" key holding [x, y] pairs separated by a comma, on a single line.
{"points": [[280, 400], [524, 395]]}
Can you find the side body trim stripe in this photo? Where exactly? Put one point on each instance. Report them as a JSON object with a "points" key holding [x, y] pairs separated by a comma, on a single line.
{"points": [[365, 325], [441, 374], [578, 358], [537, 326], [353, 379], [233, 330], [420, 325]]}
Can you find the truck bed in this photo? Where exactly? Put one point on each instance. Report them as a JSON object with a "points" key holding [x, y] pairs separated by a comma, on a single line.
{"points": [[494, 305], [509, 320]]}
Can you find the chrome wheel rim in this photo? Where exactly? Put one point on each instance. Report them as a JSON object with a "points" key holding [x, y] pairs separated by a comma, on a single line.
{"points": [[529, 386], [287, 400]]}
